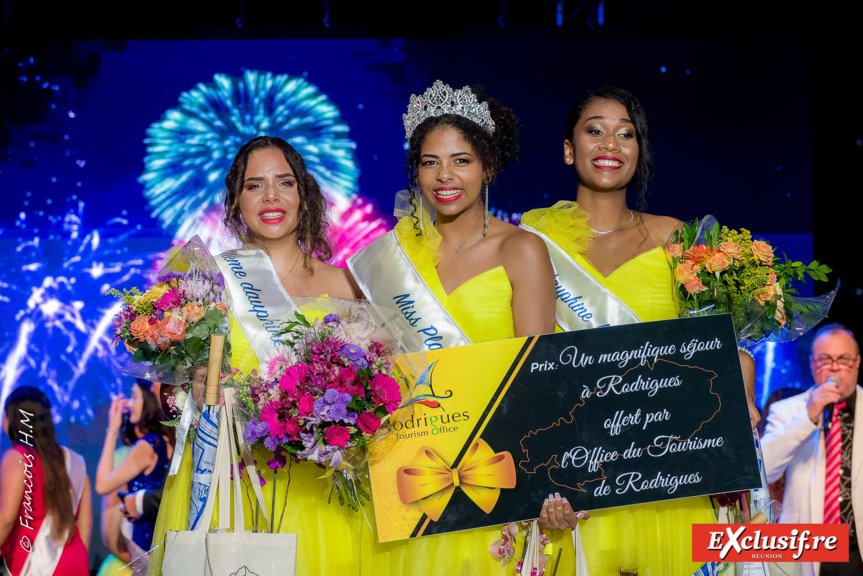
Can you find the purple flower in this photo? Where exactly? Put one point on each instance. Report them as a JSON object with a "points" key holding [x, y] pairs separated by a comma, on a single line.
{"points": [[354, 354], [159, 314], [338, 410], [218, 281], [331, 395], [168, 276], [271, 443], [255, 430], [331, 318], [278, 460]]}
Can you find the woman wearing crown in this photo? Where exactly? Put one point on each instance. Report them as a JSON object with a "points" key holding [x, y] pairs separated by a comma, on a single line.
{"points": [[472, 276]]}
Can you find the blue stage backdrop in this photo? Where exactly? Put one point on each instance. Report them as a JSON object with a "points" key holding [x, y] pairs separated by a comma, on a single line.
{"points": [[114, 152]]}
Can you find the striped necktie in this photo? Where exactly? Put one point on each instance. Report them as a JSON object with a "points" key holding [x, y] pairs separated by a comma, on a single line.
{"points": [[833, 446]]}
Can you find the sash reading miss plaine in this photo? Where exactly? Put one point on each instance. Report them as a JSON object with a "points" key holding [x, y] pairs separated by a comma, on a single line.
{"points": [[386, 274], [580, 300]]}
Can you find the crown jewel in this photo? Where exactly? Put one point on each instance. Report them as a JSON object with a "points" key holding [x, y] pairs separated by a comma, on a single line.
{"points": [[441, 99]]}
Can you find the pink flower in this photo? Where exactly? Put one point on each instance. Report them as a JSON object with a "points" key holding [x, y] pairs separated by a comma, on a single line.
{"points": [[168, 300], [369, 422], [306, 405], [290, 382], [271, 416], [385, 391], [292, 429], [337, 436]]}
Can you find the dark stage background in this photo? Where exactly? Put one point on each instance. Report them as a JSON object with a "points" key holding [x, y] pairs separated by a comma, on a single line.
{"points": [[753, 118]]}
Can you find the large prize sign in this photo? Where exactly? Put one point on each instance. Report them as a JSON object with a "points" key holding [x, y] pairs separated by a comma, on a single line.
{"points": [[606, 417]]}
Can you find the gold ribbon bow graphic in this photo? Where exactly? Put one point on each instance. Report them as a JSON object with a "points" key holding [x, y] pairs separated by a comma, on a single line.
{"points": [[430, 483]]}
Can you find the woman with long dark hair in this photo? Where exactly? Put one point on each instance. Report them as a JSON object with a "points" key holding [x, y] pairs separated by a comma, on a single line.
{"points": [[275, 207], [146, 466], [622, 251], [45, 509]]}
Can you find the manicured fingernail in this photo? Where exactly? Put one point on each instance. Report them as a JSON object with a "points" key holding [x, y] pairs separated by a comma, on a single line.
{"points": [[545, 502], [557, 495], [564, 499], [581, 514]]}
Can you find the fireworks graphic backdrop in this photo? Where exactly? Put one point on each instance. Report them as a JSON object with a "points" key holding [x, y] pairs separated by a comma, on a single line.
{"points": [[190, 150], [55, 291]]}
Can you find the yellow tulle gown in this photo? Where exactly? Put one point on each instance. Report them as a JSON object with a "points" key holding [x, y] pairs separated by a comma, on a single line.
{"points": [[332, 539], [649, 539], [482, 307]]}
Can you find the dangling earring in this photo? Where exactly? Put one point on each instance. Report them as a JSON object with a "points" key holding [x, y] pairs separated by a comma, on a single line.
{"points": [[420, 200], [485, 222]]}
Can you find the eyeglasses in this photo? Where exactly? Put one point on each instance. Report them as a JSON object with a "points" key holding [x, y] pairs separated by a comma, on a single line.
{"points": [[825, 361]]}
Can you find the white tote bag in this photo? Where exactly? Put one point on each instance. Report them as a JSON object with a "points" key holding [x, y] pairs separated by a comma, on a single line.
{"points": [[223, 553]]}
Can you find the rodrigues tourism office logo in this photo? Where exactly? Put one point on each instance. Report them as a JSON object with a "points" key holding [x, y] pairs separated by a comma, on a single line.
{"points": [[417, 425]]}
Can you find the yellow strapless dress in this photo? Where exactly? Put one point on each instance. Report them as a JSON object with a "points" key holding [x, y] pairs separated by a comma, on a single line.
{"points": [[650, 539], [482, 307], [332, 539]]}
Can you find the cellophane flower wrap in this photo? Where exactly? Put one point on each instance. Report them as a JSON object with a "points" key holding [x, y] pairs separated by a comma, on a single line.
{"points": [[325, 394], [719, 270], [167, 326]]}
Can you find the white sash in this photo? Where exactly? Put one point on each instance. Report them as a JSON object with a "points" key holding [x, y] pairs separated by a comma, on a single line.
{"points": [[45, 553], [386, 275], [257, 298], [580, 300]]}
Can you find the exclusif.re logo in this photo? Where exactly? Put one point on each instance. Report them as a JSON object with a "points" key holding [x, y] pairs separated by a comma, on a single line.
{"points": [[770, 542]]}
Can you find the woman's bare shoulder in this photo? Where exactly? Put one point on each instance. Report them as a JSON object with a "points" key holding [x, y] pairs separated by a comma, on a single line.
{"points": [[662, 227], [335, 282]]}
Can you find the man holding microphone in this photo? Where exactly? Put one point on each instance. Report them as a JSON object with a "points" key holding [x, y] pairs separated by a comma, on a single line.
{"points": [[810, 437]]}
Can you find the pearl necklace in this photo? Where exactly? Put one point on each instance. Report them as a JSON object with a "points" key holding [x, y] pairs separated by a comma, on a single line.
{"points": [[631, 216]]}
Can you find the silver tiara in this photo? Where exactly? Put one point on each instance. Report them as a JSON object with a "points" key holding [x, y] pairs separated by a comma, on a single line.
{"points": [[441, 99]]}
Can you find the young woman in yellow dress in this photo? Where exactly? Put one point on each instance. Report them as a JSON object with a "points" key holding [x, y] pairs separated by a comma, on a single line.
{"points": [[275, 205], [608, 142], [491, 279]]}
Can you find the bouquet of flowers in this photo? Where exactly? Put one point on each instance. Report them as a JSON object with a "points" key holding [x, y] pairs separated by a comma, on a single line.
{"points": [[719, 270], [167, 327], [323, 397]]}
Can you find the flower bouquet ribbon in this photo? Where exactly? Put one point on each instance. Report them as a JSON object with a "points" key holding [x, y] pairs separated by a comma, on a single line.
{"points": [[720, 270], [430, 482]]}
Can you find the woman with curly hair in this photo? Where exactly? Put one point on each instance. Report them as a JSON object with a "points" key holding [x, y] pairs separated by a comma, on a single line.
{"points": [[276, 209], [45, 510], [470, 275]]}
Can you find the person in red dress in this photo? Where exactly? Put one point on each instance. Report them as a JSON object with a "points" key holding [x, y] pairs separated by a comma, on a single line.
{"points": [[45, 508]]}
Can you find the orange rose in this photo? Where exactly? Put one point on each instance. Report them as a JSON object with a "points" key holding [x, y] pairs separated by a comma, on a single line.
{"points": [[764, 295], [141, 327], [156, 339], [699, 254], [685, 270], [718, 262], [193, 312], [694, 285], [731, 249], [220, 306], [763, 252], [173, 328], [771, 279], [780, 312], [675, 250]]}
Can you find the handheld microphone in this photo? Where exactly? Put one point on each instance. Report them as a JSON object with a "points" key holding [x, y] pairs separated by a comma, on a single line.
{"points": [[828, 410]]}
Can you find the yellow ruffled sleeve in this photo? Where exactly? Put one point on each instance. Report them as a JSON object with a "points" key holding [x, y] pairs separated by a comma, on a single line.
{"points": [[565, 223], [421, 248]]}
